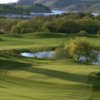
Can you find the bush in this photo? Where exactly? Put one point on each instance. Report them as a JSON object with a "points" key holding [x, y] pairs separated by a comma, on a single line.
{"points": [[60, 53], [83, 33], [81, 50], [68, 26], [98, 33]]}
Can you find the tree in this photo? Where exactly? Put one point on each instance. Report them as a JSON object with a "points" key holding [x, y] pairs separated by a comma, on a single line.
{"points": [[22, 27], [89, 25], [81, 50], [68, 26]]}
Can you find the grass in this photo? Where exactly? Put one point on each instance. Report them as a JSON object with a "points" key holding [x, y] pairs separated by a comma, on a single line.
{"points": [[42, 79]]}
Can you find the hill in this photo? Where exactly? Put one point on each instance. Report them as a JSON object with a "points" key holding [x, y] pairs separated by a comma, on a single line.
{"points": [[79, 5], [21, 9]]}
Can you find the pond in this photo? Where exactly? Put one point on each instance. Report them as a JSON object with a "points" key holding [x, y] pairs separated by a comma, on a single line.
{"points": [[82, 58], [51, 54], [98, 60], [44, 54]]}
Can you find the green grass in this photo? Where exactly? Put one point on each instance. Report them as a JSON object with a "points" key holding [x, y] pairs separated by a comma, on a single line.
{"points": [[42, 79]]}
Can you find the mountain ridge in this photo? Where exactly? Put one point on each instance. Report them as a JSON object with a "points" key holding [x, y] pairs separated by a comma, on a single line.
{"points": [[79, 5]]}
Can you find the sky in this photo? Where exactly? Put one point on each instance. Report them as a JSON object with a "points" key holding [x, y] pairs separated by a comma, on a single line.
{"points": [[7, 1]]}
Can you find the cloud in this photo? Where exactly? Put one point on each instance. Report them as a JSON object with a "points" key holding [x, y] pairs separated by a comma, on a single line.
{"points": [[7, 1]]}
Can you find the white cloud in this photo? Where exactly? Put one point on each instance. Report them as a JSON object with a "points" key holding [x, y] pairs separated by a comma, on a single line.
{"points": [[7, 1]]}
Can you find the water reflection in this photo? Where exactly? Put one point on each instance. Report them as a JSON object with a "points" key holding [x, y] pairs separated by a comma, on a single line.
{"points": [[51, 54], [44, 54]]}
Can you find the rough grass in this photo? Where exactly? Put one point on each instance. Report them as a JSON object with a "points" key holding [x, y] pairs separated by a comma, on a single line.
{"points": [[43, 79]]}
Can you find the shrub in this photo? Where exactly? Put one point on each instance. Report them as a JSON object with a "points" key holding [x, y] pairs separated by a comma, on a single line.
{"points": [[81, 49], [83, 33], [60, 53], [68, 26], [98, 33]]}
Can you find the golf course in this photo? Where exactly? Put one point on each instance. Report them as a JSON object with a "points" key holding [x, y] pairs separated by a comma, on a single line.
{"points": [[29, 78]]}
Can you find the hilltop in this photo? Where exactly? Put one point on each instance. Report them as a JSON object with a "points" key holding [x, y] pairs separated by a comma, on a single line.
{"points": [[79, 5]]}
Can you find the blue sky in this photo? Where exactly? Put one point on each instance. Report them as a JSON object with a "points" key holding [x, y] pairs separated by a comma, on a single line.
{"points": [[7, 1]]}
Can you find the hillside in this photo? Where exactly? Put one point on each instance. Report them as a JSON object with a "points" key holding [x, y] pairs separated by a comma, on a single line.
{"points": [[20, 9], [65, 4], [37, 8]]}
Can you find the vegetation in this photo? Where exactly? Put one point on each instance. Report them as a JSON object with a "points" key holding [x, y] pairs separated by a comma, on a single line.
{"points": [[43, 79], [81, 50], [37, 8], [98, 33], [12, 9], [22, 10], [59, 24], [24, 78], [71, 5], [83, 33]]}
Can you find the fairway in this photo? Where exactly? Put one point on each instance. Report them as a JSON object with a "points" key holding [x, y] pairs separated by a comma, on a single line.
{"points": [[44, 79]]}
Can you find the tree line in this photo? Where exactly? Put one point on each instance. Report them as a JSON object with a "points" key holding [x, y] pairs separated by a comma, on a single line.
{"points": [[73, 23]]}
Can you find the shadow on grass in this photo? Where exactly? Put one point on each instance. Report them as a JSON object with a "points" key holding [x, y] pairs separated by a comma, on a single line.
{"points": [[95, 81], [49, 35], [3, 87], [96, 88], [61, 75], [13, 65], [9, 64], [95, 85]]}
